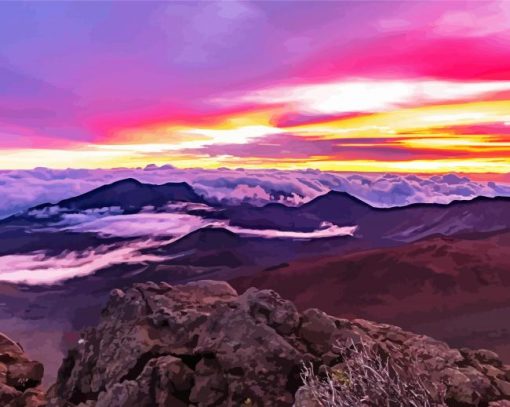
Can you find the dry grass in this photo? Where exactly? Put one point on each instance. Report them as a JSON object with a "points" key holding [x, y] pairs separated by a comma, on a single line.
{"points": [[369, 377]]}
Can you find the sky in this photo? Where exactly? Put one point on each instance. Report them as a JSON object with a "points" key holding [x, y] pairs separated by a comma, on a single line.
{"points": [[410, 86]]}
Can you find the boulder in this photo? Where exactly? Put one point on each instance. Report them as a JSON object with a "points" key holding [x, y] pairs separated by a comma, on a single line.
{"points": [[20, 377], [203, 344]]}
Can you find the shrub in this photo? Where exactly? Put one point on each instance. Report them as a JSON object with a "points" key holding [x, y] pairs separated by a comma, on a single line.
{"points": [[370, 377]]}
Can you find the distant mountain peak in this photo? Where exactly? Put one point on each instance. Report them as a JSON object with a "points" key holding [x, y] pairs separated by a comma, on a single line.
{"points": [[125, 181], [342, 195], [132, 195], [210, 235]]}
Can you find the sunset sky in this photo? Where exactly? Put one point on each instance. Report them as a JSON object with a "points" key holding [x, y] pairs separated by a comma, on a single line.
{"points": [[404, 86]]}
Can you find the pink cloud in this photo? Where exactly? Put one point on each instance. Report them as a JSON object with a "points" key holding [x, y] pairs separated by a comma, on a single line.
{"points": [[328, 231], [492, 129], [38, 268], [415, 54]]}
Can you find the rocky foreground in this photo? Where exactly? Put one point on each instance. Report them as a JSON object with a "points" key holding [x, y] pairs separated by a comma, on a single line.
{"points": [[19, 377], [202, 344]]}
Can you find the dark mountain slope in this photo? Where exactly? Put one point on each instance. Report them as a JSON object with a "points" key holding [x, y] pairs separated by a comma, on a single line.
{"points": [[213, 246], [128, 195], [131, 195], [407, 223], [336, 207]]}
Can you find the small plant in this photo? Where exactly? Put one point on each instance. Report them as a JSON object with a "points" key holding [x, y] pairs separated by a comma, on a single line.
{"points": [[369, 377], [22, 381]]}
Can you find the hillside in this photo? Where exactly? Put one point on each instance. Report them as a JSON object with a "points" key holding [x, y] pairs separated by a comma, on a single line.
{"points": [[400, 224], [444, 286]]}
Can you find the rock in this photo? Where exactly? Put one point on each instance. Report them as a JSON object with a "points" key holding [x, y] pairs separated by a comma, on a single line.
{"points": [[269, 308], [20, 377], [467, 385], [482, 356], [503, 386], [202, 344], [162, 381], [210, 384], [8, 394], [25, 375], [122, 394], [317, 329]]}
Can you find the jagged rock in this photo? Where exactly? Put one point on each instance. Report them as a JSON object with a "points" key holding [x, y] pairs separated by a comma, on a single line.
{"points": [[202, 344], [317, 329], [501, 403], [20, 377], [161, 382]]}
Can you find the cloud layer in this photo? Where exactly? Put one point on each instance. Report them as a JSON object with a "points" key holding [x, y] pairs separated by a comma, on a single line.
{"points": [[23, 189], [150, 229], [142, 224], [38, 268]]}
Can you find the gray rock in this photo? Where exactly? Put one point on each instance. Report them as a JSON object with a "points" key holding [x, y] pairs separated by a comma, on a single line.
{"points": [[202, 344], [317, 329]]}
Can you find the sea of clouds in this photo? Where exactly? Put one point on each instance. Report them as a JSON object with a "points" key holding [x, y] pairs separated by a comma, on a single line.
{"points": [[22, 189], [39, 268], [145, 230]]}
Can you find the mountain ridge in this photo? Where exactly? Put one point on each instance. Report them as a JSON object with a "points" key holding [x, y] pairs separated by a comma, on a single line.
{"points": [[116, 192]]}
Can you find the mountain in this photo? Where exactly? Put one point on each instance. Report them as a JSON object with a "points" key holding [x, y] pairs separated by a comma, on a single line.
{"points": [[455, 288], [339, 208], [218, 247], [401, 224], [207, 247], [43, 229], [425, 267], [408, 223], [131, 196], [126, 196], [204, 344], [376, 226], [208, 238]]}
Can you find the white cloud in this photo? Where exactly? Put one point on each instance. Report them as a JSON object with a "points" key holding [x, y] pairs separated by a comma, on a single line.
{"points": [[142, 224], [20, 190], [329, 231], [38, 268], [365, 95]]}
